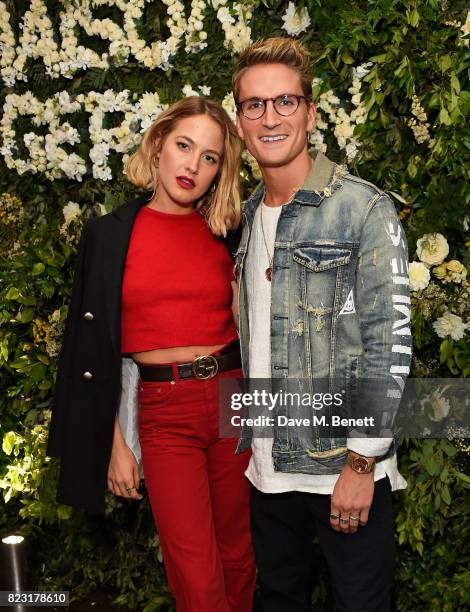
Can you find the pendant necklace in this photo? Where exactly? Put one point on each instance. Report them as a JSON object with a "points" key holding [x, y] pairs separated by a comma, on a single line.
{"points": [[269, 270]]}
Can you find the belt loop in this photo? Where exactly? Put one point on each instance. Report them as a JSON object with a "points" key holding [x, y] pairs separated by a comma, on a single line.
{"points": [[174, 367]]}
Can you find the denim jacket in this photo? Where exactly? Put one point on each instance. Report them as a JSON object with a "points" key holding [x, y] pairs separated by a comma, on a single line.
{"points": [[340, 307]]}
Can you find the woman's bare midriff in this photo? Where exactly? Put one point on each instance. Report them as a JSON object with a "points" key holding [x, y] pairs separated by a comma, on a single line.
{"points": [[179, 354]]}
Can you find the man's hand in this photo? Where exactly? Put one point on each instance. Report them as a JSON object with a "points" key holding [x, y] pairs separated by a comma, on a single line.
{"points": [[351, 500]]}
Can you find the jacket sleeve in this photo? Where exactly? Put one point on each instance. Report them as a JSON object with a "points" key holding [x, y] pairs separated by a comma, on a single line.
{"points": [[128, 408], [58, 416], [383, 307]]}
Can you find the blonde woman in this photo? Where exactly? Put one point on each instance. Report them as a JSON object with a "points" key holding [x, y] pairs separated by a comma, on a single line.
{"points": [[155, 283]]}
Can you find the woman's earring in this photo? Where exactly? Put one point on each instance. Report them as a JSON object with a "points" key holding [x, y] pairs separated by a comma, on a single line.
{"points": [[213, 188]]}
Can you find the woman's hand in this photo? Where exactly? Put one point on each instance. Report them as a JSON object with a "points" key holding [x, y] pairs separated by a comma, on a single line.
{"points": [[123, 470]]}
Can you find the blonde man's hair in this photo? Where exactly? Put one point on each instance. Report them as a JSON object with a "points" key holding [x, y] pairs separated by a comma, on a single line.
{"points": [[276, 50], [221, 205]]}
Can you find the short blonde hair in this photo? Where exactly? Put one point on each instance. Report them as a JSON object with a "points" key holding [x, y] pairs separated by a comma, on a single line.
{"points": [[276, 50], [222, 206]]}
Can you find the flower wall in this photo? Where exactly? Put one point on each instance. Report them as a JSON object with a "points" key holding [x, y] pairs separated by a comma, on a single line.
{"points": [[80, 83]]}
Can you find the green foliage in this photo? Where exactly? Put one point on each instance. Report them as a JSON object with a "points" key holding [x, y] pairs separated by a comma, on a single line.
{"points": [[415, 49]]}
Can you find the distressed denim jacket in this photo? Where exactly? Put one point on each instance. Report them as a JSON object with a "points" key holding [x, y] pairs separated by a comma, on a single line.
{"points": [[340, 308]]}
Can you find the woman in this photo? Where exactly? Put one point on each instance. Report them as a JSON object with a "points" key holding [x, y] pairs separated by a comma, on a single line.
{"points": [[154, 282]]}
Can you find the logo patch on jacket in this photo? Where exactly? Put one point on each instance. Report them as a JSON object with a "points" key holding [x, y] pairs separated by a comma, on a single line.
{"points": [[348, 306]]}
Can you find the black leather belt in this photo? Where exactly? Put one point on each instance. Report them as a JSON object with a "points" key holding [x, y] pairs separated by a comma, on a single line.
{"points": [[204, 367]]}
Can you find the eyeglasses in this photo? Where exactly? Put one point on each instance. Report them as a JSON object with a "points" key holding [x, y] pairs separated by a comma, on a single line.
{"points": [[285, 105]]}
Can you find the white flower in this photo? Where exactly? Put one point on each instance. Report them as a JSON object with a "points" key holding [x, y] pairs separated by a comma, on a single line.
{"points": [[432, 249], [295, 21], [449, 325], [189, 91], [351, 149], [362, 70], [419, 276], [440, 405], [228, 103], [71, 211], [465, 28]]}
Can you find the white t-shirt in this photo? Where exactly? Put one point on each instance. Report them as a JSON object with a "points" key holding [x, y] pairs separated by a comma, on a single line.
{"points": [[260, 470]]}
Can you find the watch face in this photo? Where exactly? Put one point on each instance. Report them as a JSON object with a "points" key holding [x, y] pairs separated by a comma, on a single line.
{"points": [[361, 464]]}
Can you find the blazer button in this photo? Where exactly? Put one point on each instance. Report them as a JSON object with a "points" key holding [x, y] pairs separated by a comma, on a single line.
{"points": [[87, 375], [88, 316]]}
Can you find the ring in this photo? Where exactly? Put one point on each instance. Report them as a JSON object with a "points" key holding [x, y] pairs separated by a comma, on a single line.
{"points": [[344, 521], [353, 518], [129, 489], [334, 516]]}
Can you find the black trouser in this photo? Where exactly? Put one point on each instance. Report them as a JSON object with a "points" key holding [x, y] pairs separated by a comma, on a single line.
{"points": [[360, 565]]}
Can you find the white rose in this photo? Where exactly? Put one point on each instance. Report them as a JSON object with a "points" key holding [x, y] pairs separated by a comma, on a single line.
{"points": [[419, 276], [295, 21], [449, 325], [432, 249], [71, 211]]}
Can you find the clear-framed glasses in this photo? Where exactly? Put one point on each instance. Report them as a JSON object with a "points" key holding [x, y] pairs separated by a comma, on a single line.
{"points": [[285, 105]]}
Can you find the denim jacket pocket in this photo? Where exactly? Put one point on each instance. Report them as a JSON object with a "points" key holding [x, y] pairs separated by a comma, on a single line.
{"points": [[320, 273], [318, 258]]}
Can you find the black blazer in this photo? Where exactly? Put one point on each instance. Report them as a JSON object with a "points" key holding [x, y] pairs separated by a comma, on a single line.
{"points": [[88, 384]]}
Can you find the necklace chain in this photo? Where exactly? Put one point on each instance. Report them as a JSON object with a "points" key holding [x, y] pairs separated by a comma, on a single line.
{"points": [[269, 270]]}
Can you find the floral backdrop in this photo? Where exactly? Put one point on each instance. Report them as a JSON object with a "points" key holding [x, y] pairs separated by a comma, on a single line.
{"points": [[81, 80]]}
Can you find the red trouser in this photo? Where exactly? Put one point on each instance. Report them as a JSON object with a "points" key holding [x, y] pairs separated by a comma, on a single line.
{"points": [[199, 495]]}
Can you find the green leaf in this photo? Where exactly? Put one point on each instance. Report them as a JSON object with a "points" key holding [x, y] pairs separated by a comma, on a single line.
{"points": [[447, 346], [412, 169], [379, 59], [413, 17], [38, 269], [8, 443], [455, 83], [27, 315], [398, 197], [445, 62], [463, 477], [347, 59], [431, 465], [12, 294], [445, 494]]}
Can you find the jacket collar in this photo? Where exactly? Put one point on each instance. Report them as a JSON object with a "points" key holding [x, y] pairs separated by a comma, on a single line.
{"points": [[128, 211], [324, 177]]}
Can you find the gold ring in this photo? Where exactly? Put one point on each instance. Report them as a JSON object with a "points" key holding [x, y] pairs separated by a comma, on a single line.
{"points": [[334, 516], [353, 518], [344, 521]]}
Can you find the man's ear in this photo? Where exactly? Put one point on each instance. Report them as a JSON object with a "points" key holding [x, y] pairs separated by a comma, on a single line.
{"points": [[312, 115], [239, 126]]}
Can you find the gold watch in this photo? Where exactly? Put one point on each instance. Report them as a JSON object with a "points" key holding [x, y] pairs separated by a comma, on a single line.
{"points": [[361, 464]]}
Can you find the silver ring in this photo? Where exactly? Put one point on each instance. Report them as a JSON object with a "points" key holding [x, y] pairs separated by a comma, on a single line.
{"points": [[344, 521]]}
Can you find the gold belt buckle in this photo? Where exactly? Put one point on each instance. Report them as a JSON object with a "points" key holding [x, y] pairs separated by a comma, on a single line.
{"points": [[205, 367]]}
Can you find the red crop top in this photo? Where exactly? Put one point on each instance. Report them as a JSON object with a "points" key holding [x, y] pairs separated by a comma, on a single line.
{"points": [[176, 288]]}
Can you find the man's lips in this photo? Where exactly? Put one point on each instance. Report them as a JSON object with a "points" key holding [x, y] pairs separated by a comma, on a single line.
{"points": [[273, 138], [185, 182]]}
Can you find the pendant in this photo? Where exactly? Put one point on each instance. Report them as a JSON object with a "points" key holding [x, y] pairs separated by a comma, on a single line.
{"points": [[269, 273]]}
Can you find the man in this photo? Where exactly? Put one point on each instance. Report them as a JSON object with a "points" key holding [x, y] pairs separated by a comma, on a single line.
{"points": [[327, 252]]}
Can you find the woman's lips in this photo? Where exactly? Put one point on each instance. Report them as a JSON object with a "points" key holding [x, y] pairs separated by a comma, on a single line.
{"points": [[185, 182]]}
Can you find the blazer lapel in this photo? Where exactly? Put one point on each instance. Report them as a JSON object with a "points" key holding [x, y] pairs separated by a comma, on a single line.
{"points": [[114, 260]]}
